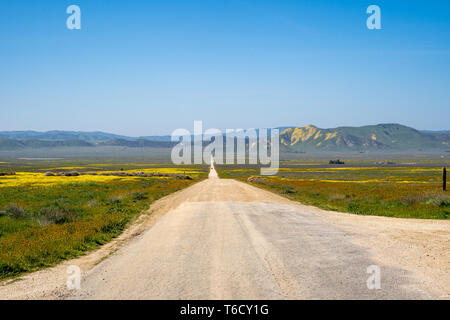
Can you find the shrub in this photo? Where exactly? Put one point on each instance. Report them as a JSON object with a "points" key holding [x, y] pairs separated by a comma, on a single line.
{"points": [[411, 199], [14, 211], [57, 214], [337, 196], [354, 207], [440, 200], [114, 199], [92, 203], [286, 189], [139, 196], [72, 174]]}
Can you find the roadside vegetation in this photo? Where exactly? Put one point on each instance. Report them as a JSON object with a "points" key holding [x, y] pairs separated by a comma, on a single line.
{"points": [[45, 219], [403, 192]]}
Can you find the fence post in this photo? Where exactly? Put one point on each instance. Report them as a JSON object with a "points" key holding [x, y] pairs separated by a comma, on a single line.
{"points": [[444, 179]]}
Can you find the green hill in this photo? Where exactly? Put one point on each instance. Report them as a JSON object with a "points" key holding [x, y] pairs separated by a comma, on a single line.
{"points": [[18, 144], [383, 137], [374, 137], [11, 144], [58, 135], [140, 143]]}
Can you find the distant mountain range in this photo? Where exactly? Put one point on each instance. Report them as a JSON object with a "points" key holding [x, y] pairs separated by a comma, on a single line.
{"points": [[140, 143], [33, 143], [292, 139], [56, 135]]}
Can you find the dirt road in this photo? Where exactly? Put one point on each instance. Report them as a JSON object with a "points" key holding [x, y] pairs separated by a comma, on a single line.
{"points": [[223, 239]]}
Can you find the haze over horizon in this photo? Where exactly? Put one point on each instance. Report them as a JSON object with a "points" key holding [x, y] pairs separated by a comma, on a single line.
{"points": [[168, 132], [146, 68], [204, 128]]}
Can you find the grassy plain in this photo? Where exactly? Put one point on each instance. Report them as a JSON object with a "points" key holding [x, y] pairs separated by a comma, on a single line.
{"points": [[397, 190], [45, 219]]}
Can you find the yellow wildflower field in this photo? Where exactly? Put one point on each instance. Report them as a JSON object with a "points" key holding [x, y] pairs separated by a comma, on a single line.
{"points": [[406, 192], [40, 179]]}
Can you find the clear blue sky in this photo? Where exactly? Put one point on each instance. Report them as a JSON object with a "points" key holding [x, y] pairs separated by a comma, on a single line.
{"points": [[149, 67]]}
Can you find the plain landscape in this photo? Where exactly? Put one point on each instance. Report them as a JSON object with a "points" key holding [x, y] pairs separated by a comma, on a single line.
{"points": [[222, 155], [62, 200]]}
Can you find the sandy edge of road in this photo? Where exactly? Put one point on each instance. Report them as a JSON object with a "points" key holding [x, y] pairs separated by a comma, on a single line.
{"points": [[417, 245], [420, 246]]}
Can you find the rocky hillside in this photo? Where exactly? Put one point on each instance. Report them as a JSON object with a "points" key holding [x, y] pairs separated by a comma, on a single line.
{"points": [[380, 137]]}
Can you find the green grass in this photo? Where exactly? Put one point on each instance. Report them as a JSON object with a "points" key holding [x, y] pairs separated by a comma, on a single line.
{"points": [[408, 192], [41, 226]]}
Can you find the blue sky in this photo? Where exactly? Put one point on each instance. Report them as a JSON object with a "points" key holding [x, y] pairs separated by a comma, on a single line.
{"points": [[149, 67]]}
